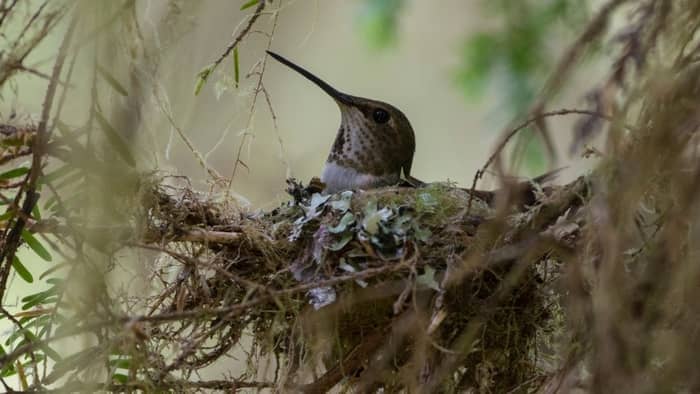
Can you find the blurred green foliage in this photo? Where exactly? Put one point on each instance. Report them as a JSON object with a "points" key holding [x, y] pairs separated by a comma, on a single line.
{"points": [[514, 51], [378, 20], [517, 53], [518, 47]]}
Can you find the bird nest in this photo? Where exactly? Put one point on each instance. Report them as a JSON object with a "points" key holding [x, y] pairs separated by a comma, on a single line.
{"points": [[390, 288]]}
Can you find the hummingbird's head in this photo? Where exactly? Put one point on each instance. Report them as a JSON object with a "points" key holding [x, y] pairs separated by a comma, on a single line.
{"points": [[374, 137]]}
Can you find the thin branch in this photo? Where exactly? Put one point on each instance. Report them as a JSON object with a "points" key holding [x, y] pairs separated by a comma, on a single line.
{"points": [[6, 11], [8, 157], [239, 37], [218, 237]]}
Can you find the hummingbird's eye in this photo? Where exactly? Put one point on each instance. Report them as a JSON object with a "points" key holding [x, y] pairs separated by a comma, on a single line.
{"points": [[380, 115]]}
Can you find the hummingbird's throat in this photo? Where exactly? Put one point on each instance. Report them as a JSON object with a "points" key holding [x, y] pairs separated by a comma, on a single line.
{"points": [[360, 145]]}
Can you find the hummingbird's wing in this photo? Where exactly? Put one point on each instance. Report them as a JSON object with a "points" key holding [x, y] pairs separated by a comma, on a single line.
{"points": [[413, 182], [548, 176]]}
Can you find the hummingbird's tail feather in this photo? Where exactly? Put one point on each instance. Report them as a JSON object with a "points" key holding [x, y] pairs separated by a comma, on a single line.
{"points": [[520, 193]]}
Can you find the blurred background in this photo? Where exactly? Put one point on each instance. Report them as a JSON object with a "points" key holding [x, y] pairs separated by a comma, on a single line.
{"points": [[459, 70]]}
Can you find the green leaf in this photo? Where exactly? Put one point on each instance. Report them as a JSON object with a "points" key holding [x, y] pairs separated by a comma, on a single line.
{"points": [[236, 65], [50, 352], [54, 269], [116, 140], [14, 336], [44, 346], [480, 54], [522, 53], [32, 296], [202, 77], [42, 294], [36, 246], [249, 4], [121, 378], [28, 323], [21, 270], [112, 81], [44, 297], [8, 371], [123, 363], [47, 299], [8, 214], [378, 21], [36, 213], [14, 173]]}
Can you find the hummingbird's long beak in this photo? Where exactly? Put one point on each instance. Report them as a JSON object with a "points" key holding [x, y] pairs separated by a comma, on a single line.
{"points": [[337, 96]]}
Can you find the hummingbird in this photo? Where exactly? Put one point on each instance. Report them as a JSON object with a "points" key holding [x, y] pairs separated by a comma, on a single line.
{"points": [[374, 145]]}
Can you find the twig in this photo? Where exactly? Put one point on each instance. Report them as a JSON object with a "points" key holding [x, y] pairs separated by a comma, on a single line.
{"points": [[6, 10], [6, 158], [165, 108], [218, 237], [239, 37], [13, 62]]}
